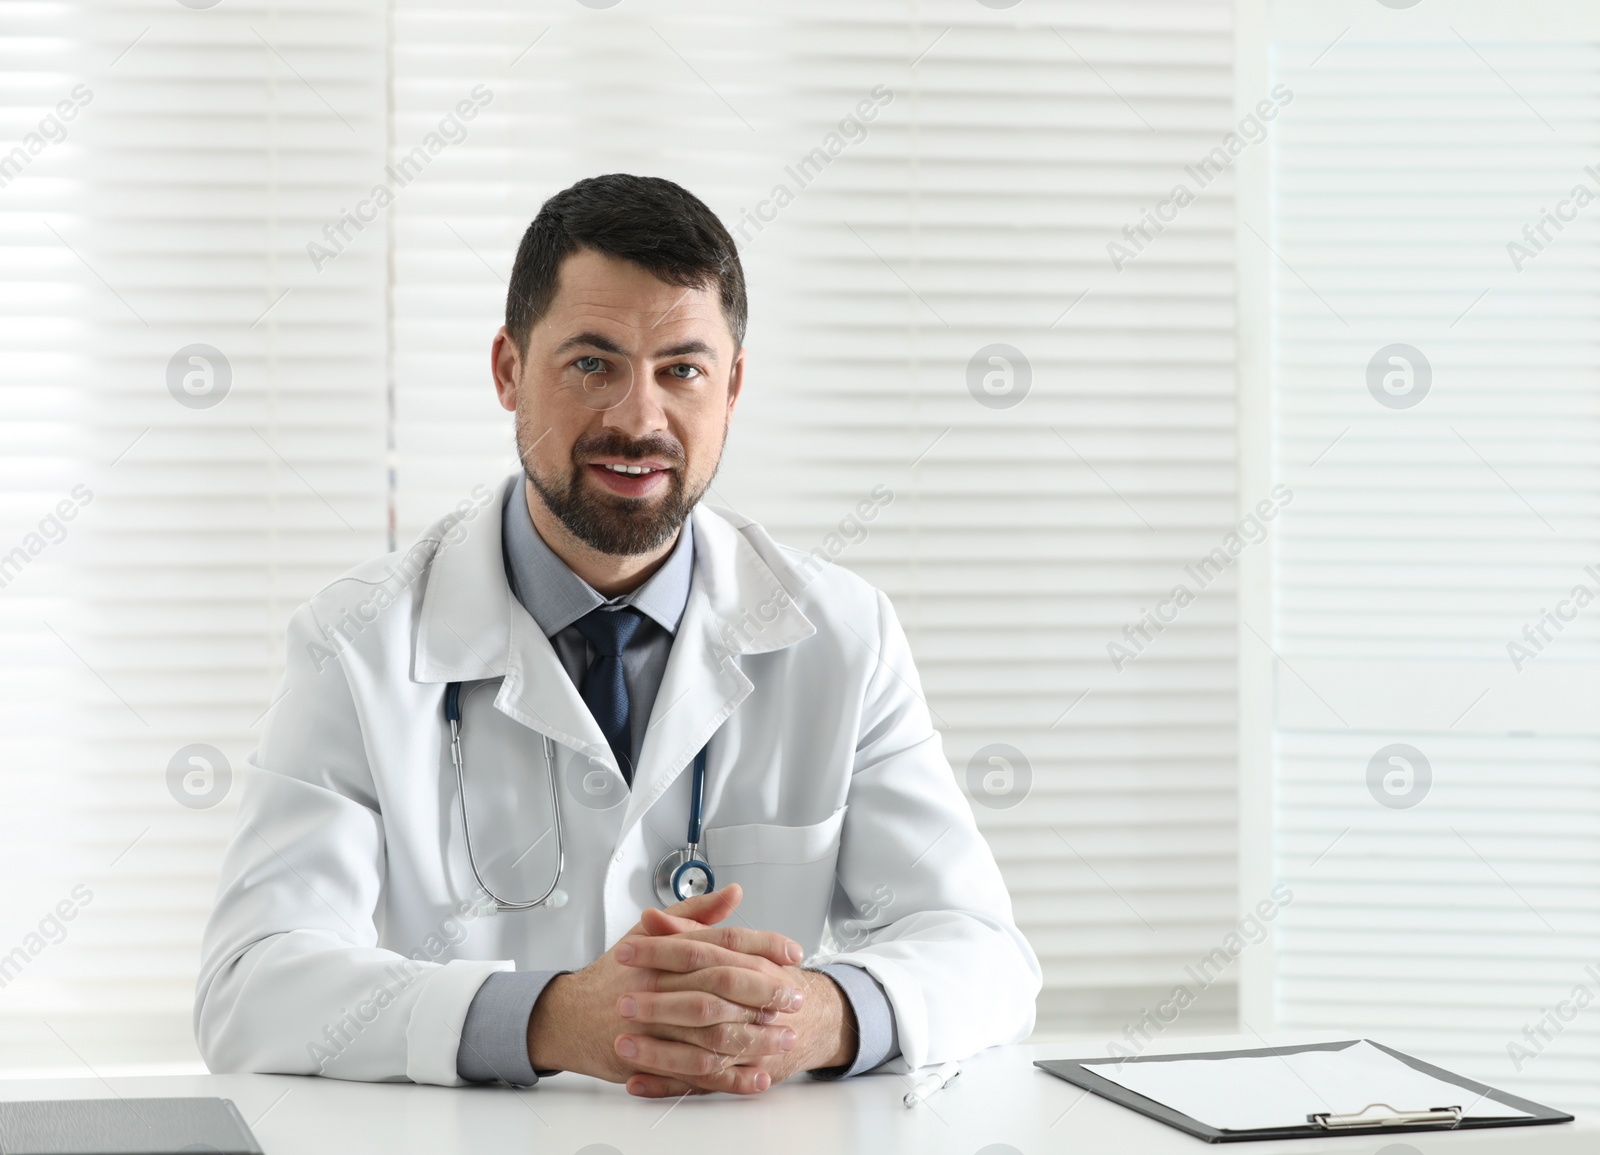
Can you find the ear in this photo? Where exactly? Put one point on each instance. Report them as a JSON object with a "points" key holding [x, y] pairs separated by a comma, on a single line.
{"points": [[505, 363], [736, 379]]}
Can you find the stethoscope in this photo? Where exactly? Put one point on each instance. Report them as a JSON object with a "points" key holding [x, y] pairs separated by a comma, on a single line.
{"points": [[681, 873]]}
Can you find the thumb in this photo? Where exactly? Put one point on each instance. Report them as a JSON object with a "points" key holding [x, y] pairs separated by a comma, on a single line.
{"points": [[693, 913]]}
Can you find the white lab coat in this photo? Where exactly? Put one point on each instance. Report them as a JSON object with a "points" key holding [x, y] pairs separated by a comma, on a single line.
{"points": [[344, 939]]}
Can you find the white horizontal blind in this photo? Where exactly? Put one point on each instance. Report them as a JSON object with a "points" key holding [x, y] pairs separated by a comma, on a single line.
{"points": [[978, 210], [206, 147], [1446, 907]]}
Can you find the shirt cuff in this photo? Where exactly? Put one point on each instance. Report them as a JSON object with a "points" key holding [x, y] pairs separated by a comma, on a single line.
{"points": [[494, 1037], [877, 1041]]}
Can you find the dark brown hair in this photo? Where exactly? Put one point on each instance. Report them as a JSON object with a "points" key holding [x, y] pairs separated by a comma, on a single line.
{"points": [[652, 222]]}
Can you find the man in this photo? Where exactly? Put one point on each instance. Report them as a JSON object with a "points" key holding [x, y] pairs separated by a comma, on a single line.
{"points": [[602, 627]]}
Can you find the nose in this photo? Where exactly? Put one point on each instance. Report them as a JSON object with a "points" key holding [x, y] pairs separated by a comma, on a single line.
{"points": [[639, 411]]}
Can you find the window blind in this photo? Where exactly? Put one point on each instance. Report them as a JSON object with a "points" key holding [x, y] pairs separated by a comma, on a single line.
{"points": [[974, 321], [192, 421], [1438, 792], [949, 287]]}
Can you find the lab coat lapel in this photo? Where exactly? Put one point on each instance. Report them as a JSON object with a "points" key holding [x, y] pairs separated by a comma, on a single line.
{"points": [[539, 693], [737, 605], [472, 627]]}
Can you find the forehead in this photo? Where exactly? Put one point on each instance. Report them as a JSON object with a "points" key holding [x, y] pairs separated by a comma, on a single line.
{"points": [[598, 291]]}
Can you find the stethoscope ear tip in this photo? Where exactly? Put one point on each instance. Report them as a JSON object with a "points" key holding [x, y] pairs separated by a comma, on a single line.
{"points": [[559, 898]]}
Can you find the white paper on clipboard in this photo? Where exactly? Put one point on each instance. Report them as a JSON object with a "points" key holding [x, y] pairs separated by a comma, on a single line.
{"points": [[1249, 1092]]}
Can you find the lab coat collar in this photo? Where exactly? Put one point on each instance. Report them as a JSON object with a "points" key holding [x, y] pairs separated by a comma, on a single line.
{"points": [[741, 601], [471, 628]]}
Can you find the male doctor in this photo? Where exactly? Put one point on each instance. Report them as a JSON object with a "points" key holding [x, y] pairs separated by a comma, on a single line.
{"points": [[598, 628]]}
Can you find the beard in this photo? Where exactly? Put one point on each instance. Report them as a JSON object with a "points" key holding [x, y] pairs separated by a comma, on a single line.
{"points": [[608, 522]]}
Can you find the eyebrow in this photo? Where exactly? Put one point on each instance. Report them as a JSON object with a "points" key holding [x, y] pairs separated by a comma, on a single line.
{"points": [[687, 347], [607, 345], [592, 340]]}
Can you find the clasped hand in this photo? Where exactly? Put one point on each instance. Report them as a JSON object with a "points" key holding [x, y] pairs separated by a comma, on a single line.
{"points": [[682, 1006]]}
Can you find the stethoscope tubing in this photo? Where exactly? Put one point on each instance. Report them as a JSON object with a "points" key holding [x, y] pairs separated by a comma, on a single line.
{"points": [[452, 713]]}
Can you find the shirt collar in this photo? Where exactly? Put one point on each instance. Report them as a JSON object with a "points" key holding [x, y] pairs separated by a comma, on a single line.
{"points": [[556, 597]]}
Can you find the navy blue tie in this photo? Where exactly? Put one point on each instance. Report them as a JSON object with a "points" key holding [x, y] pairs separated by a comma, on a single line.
{"points": [[604, 689]]}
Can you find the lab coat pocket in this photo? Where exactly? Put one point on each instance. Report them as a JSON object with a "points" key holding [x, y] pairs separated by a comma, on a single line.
{"points": [[787, 873]]}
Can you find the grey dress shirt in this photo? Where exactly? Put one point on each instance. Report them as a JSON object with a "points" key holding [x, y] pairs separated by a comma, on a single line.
{"points": [[494, 1037]]}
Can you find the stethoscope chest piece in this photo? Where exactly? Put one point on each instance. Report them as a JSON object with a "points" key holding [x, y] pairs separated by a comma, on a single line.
{"points": [[683, 874]]}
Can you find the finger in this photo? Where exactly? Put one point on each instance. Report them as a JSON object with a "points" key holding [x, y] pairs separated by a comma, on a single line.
{"points": [[709, 946], [706, 909], [658, 922], [692, 1008], [751, 989], [659, 1087], [740, 1042], [693, 1065], [691, 914]]}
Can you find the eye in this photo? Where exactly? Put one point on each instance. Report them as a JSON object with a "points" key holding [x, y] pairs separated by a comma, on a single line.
{"points": [[590, 365], [690, 372]]}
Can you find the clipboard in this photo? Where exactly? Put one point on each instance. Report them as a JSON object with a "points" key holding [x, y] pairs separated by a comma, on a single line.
{"points": [[1407, 1118]]}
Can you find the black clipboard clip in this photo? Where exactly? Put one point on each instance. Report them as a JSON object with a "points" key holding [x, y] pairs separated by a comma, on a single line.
{"points": [[1433, 1117]]}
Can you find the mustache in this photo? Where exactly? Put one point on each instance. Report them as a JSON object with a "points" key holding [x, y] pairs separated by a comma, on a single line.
{"points": [[615, 443]]}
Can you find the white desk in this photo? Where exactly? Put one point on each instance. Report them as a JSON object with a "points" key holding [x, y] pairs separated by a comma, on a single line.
{"points": [[1001, 1105]]}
